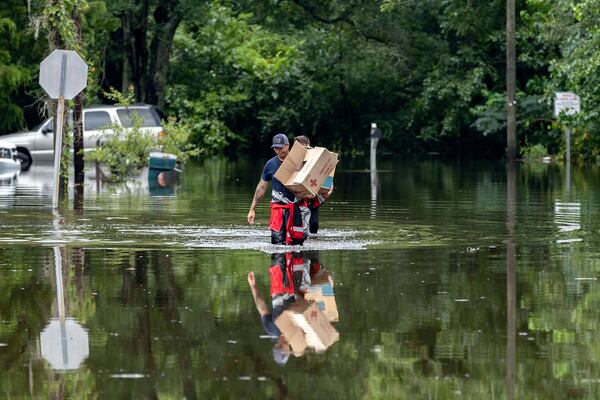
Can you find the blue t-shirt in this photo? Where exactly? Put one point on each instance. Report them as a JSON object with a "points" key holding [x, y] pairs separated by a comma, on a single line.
{"points": [[269, 325], [279, 191]]}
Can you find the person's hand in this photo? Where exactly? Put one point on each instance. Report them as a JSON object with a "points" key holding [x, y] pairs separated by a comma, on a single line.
{"points": [[251, 215], [251, 280]]}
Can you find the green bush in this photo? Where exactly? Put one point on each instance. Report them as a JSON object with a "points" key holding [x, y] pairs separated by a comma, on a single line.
{"points": [[125, 151], [534, 152], [177, 140]]}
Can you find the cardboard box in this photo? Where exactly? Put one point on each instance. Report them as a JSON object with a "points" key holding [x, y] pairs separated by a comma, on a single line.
{"points": [[305, 170], [321, 292], [305, 326]]}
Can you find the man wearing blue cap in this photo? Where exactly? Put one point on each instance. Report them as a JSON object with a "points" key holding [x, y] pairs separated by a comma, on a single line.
{"points": [[282, 199]]}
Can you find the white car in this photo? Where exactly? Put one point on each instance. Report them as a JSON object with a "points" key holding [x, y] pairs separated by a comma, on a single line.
{"points": [[9, 162], [38, 144]]}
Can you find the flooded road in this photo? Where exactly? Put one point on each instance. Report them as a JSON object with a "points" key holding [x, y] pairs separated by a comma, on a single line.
{"points": [[438, 280]]}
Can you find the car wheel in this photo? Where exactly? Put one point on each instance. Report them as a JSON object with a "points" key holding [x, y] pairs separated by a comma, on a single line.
{"points": [[25, 158]]}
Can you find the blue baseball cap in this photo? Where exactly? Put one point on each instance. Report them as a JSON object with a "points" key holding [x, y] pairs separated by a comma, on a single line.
{"points": [[280, 140], [280, 356]]}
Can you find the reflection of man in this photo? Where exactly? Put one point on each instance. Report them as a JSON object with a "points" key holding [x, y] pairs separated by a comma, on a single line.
{"points": [[284, 206], [283, 272]]}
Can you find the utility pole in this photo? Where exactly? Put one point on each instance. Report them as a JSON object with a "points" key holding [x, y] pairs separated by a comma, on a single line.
{"points": [[78, 145], [511, 77]]}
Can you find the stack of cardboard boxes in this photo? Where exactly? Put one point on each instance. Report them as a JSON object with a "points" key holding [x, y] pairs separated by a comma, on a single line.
{"points": [[307, 170]]}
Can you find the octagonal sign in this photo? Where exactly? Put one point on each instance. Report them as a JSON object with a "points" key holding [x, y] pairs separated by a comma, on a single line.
{"points": [[63, 73], [64, 345]]}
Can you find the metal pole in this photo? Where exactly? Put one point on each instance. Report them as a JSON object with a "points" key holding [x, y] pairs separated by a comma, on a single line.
{"points": [[59, 130], [374, 154], [58, 149], [375, 134], [568, 143], [568, 146]]}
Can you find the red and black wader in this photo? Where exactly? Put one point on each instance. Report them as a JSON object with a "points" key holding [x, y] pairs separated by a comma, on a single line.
{"points": [[286, 224]]}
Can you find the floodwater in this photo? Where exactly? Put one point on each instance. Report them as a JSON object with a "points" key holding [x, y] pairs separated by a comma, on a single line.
{"points": [[450, 280]]}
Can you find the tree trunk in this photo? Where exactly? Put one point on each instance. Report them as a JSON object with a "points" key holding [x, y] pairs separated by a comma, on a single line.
{"points": [[167, 21], [511, 110], [135, 34], [58, 43], [78, 145]]}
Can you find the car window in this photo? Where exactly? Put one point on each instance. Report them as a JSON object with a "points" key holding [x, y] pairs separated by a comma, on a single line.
{"points": [[39, 126], [96, 120], [5, 153], [148, 117]]}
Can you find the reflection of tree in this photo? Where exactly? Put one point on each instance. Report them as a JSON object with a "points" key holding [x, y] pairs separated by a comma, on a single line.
{"points": [[171, 315], [511, 277], [28, 299]]}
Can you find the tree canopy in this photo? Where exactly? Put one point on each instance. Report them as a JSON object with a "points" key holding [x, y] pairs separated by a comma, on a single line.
{"points": [[430, 73]]}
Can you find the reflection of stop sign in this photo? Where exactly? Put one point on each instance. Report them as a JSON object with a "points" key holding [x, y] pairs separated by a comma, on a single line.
{"points": [[63, 73], [64, 346]]}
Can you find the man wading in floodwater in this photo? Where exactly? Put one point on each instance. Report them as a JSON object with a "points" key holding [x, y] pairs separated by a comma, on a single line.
{"points": [[286, 224]]}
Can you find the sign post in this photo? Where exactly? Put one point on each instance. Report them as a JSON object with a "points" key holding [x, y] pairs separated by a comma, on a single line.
{"points": [[63, 74], [567, 103], [375, 136]]}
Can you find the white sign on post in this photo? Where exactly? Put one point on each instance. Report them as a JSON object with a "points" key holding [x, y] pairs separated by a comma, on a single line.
{"points": [[566, 102], [63, 74]]}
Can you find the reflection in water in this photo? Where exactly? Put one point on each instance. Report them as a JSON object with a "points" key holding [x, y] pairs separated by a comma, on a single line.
{"points": [[8, 183], [162, 183], [374, 190], [567, 215], [511, 277], [303, 305], [568, 178], [422, 320], [64, 342]]}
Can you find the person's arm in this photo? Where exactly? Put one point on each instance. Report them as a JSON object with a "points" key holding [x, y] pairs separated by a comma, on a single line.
{"points": [[259, 193], [330, 191], [259, 302]]}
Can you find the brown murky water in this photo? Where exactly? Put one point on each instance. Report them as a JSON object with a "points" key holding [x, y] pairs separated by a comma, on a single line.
{"points": [[450, 281]]}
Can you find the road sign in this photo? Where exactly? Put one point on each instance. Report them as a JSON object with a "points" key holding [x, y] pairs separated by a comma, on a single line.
{"points": [[567, 103], [63, 73]]}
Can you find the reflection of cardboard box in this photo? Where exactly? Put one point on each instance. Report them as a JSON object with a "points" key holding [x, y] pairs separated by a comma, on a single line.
{"points": [[321, 292], [305, 326], [305, 170]]}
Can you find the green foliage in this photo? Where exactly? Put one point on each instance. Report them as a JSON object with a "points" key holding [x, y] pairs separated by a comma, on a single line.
{"points": [[16, 65], [177, 140], [534, 152], [430, 73], [121, 99], [244, 70], [124, 150]]}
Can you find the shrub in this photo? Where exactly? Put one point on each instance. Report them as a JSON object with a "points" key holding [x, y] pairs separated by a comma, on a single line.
{"points": [[534, 152], [125, 151]]}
